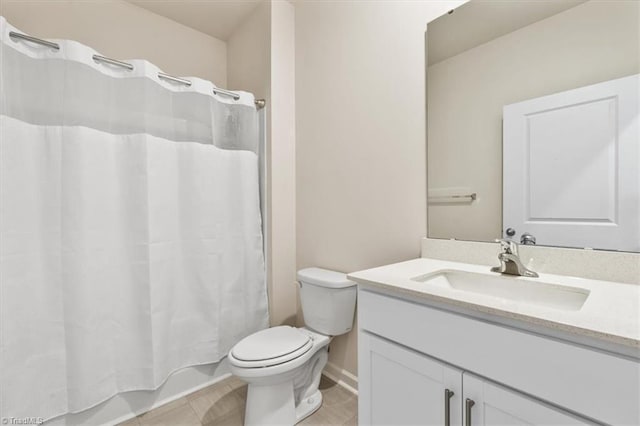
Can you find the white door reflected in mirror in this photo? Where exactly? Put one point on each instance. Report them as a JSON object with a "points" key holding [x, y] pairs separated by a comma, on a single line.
{"points": [[571, 158], [570, 167]]}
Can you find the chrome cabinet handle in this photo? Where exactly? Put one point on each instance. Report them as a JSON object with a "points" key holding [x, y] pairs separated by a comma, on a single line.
{"points": [[447, 405], [467, 411]]}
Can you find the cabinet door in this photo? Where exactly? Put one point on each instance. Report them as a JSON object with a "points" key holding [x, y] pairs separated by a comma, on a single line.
{"points": [[485, 403], [399, 386]]}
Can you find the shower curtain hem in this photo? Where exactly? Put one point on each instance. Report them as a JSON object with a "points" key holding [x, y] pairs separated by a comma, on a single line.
{"points": [[122, 391]]}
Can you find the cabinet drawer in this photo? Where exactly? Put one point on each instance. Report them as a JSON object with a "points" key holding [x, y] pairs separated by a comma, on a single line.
{"points": [[599, 385]]}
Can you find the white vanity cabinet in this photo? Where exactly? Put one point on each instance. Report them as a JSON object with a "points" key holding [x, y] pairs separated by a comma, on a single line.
{"points": [[411, 355], [405, 387]]}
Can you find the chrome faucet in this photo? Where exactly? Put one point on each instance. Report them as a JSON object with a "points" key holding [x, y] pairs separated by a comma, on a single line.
{"points": [[510, 262]]}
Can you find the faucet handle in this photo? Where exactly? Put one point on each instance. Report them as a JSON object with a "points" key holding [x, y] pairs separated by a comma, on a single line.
{"points": [[508, 246]]}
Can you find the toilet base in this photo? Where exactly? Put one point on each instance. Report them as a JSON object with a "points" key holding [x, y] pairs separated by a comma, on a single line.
{"points": [[270, 405], [273, 405], [308, 406]]}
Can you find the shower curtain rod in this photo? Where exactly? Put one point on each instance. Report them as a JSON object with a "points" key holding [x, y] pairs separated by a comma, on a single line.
{"points": [[260, 103]]}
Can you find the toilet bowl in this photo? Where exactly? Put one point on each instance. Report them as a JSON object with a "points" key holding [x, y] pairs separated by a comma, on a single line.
{"points": [[283, 364]]}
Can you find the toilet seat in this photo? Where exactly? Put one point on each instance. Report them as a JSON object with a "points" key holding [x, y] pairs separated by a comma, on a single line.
{"points": [[270, 347]]}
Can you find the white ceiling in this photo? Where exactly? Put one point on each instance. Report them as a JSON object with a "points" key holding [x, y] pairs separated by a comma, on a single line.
{"points": [[480, 21], [217, 18]]}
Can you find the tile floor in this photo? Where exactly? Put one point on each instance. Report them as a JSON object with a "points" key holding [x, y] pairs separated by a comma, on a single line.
{"points": [[223, 404]]}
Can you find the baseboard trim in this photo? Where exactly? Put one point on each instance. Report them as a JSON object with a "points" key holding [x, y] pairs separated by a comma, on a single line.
{"points": [[344, 378]]}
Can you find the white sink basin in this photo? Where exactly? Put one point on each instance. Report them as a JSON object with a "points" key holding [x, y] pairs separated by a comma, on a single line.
{"points": [[514, 289]]}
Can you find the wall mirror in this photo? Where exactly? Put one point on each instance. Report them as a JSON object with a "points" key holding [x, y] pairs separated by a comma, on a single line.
{"points": [[532, 123]]}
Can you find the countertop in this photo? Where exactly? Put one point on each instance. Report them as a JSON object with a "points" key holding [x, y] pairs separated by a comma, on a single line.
{"points": [[611, 313]]}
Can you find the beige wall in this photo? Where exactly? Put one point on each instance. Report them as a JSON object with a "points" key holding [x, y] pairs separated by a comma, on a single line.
{"points": [[590, 43], [249, 54], [261, 59], [121, 30], [283, 164], [360, 136]]}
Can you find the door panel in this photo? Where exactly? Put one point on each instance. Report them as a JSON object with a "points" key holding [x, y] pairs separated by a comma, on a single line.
{"points": [[494, 405], [570, 163], [403, 387]]}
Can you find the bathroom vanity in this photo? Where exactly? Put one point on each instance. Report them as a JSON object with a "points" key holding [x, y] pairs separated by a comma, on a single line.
{"points": [[447, 343], [548, 162]]}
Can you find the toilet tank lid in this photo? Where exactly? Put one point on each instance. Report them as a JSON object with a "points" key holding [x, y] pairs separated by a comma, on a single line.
{"points": [[324, 278]]}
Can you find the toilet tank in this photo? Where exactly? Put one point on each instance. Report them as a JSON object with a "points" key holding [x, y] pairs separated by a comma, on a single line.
{"points": [[328, 300]]}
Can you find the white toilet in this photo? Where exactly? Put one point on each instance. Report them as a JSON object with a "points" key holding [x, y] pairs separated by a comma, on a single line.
{"points": [[283, 364]]}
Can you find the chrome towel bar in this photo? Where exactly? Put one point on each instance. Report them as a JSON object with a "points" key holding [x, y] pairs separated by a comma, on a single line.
{"points": [[470, 197]]}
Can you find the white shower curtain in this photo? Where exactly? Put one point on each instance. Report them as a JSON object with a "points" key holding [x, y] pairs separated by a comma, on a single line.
{"points": [[130, 229]]}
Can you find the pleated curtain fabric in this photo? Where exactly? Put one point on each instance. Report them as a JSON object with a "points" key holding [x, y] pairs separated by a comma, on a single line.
{"points": [[130, 227]]}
